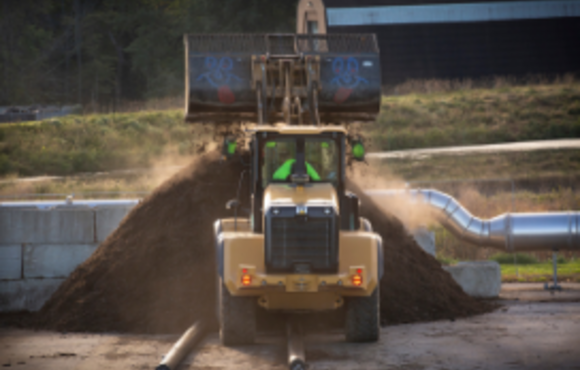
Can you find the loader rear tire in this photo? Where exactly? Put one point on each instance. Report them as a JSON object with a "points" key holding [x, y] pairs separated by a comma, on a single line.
{"points": [[237, 317], [363, 318]]}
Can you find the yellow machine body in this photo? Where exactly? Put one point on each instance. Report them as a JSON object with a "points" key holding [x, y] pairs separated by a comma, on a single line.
{"points": [[244, 270], [303, 247]]}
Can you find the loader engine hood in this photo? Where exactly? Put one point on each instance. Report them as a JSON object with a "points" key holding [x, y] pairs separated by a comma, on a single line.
{"points": [[301, 228], [310, 195]]}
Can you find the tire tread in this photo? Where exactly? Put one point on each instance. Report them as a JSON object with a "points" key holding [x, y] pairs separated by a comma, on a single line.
{"points": [[363, 318], [237, 318]]}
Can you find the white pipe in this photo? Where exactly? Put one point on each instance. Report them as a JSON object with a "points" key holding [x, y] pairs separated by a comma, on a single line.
{"points": [[91, 203]]}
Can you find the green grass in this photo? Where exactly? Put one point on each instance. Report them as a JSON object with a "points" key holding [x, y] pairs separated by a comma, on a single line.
{"points": [[509, 258], [478, 116], [87, 186], [528, 268], [446, 261], [543, 164], [541, 272], [75, 144]]}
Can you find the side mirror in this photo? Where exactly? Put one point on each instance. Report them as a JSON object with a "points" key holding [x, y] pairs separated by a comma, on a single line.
{"points": [[229, 147], [358, 150], [232, 204]]}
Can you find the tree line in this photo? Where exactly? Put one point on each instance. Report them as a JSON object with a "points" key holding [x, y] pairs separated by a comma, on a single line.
{"points": [[108, 51]]}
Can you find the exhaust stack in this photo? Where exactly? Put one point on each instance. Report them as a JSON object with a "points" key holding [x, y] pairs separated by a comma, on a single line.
{"points": [[509, 231]]}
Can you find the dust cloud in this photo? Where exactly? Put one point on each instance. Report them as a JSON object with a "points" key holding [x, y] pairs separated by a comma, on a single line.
{"points": [[412, 213]]}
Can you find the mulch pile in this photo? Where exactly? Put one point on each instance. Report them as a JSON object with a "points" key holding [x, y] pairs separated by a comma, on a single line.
{"points": [[414, 286], [156, 272]]}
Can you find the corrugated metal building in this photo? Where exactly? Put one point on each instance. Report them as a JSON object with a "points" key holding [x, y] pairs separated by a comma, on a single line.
{"points": [[422, 39]]}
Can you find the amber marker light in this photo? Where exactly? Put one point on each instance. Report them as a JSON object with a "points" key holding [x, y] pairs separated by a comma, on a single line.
{"points": [[246, 280], [356, 280]]}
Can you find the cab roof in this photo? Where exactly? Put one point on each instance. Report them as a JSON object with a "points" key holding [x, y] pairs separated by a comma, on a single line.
{"points": [[298, 130]]}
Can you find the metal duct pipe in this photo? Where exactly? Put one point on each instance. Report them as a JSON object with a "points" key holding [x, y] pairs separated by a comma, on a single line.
{"points": [[295, 342], [182, 347], [509, 231]]}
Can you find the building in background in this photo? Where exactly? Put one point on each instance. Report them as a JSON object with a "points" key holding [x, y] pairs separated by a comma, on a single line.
{"points": [[450, 39]]}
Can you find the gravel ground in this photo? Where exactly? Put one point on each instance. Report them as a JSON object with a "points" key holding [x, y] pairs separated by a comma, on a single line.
{"points": [[532, 330]]}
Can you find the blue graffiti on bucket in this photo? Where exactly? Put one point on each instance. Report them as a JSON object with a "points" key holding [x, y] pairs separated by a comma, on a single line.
{"points": [[220, 77]]}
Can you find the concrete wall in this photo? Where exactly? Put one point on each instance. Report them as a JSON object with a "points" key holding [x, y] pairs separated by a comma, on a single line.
{"points": [[54, 226], [39, 248], [481, 279], [425, 239]]}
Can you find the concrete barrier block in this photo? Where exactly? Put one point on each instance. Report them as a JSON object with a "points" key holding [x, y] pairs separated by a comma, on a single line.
{"points": [[26, 295], [11, 227], [10, 262], [54, 261], [54, 226], [481, 279], [425, 239], [108, 219]]}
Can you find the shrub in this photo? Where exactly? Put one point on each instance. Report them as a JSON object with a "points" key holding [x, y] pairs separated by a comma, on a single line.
{"points": [[574, 111], [5, 165], [446, 261], [508, 258]]}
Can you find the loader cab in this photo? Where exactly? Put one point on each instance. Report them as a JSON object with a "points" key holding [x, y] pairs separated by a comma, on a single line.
{"points": [[285, 157], [296, 156]]}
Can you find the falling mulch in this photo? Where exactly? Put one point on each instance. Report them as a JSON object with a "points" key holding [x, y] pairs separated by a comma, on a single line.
{"points": [[156, 273]]}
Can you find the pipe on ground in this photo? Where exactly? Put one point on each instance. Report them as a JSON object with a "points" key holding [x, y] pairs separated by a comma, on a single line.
{"points": [[296, 354], [509, 231], [182, 347]]}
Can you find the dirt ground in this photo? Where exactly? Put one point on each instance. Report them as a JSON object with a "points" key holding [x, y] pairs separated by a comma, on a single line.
{"points": [[533, 330]]}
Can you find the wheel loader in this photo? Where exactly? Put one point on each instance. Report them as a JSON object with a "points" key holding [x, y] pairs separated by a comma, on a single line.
{"points": [[302, 246]]}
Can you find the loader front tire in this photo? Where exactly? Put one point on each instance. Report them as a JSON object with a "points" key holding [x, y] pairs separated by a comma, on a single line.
{"points": [[237, 317], [363, 318]]}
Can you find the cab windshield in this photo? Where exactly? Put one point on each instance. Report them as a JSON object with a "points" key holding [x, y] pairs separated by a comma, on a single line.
{"points": [[279, 157]]}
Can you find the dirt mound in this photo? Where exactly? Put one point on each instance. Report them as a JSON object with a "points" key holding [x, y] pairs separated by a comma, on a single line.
{"points": [[156, 272], [414, 286]]}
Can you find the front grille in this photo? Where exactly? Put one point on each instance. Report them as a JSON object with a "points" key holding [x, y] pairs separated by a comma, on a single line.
{"points": [[296, 243]]}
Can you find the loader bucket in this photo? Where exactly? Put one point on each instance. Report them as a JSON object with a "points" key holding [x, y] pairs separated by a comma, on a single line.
{"points": [[223, 84], [350, 75]]}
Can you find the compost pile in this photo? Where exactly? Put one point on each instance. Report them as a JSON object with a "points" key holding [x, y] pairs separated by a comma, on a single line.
{"points": [[156, 272], [414, 287]]}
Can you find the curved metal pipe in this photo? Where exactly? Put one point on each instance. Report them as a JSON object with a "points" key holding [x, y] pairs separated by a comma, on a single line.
{"points": [[509, 231]]}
